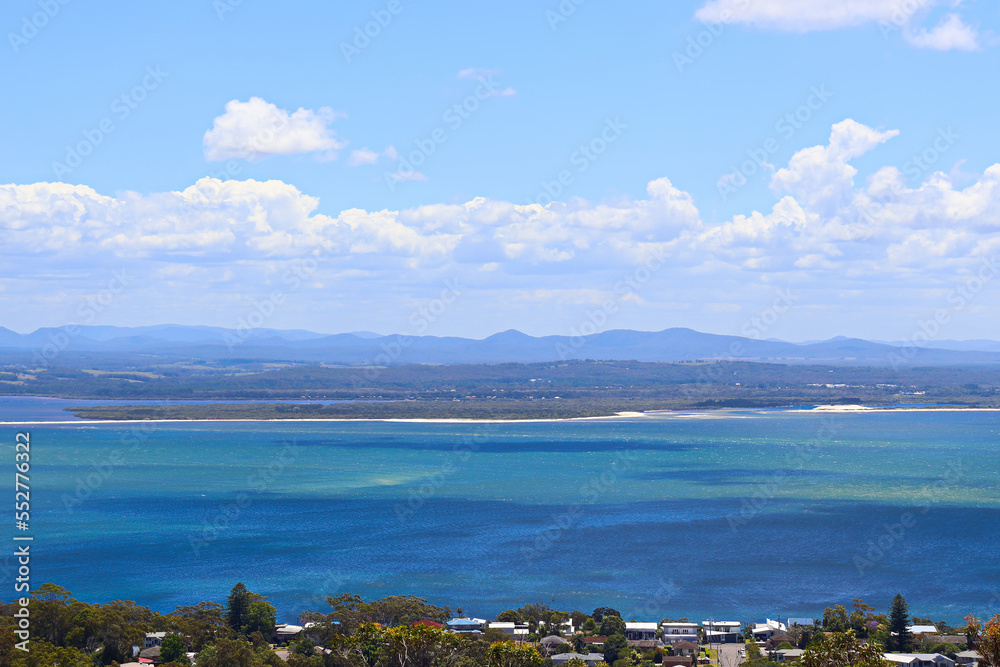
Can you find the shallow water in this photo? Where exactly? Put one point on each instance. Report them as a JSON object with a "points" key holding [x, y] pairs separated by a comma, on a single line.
{"points": [[732, 513]]}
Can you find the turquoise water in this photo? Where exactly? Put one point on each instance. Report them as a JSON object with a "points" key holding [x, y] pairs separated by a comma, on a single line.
{"points": [[733, 513]]}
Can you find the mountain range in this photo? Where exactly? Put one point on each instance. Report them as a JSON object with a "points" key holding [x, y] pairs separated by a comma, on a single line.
{"points": [[669, 345]]}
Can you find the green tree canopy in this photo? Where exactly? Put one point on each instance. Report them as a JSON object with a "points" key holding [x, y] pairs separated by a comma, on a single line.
{"points": [[900, 638], [614, 645], [843, 649], [612, 625], [173, 649]]}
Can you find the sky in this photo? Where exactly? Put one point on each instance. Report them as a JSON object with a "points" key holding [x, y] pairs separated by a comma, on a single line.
{"points": [[793, 169]]}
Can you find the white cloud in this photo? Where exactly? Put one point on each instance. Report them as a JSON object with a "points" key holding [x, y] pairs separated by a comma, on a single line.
{"points": [[804, 15], [366, 156], [891, 16], [951, 34], [821, 176], [823, 233], [256, 129], [487, 75]]}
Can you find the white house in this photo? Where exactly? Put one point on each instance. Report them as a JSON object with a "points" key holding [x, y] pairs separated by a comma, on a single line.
{"points": [[720, 632], [920, 659], [466, 625], [922, 629], [766, 630], [154, 639], [518, 631], [679, 632], [640, 632]]}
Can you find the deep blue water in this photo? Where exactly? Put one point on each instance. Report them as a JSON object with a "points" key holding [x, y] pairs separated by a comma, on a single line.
{"points": [[733, 514]]}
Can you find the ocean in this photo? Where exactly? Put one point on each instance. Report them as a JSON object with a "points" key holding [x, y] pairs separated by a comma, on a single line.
{"points": [[736, 514]]}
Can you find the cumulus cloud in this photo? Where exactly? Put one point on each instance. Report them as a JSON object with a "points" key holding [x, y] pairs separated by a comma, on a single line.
{"points": [[891, 16], [951, 34], [821, 176], [256, 129], [824, 230]]}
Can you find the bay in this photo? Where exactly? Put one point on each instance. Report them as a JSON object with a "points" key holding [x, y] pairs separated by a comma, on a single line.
{"points": [[735, 513]]}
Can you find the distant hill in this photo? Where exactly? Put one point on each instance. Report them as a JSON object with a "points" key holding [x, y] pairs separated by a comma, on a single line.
{"points": [[669, 345]]}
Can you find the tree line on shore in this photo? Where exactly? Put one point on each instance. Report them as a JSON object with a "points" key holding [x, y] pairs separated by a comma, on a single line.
{"points": [[402, 631]]}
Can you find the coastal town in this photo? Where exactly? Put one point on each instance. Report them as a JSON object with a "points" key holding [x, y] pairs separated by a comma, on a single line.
{"points": [[407, 631]]}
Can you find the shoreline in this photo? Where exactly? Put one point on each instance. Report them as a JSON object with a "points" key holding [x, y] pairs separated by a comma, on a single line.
{"points": [[820, 409]]}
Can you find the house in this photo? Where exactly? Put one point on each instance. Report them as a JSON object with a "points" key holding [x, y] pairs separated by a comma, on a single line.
{"points": [[589, 658], [922, 629], [637, 632], [429, 623], [721, 632], [150, 656], [685, 648], [679, 632], [787, 654], [968, 657], [594, 641], [766, 630], [678, 661], [286, 632], [466, 625], [552, 643], [519, 631], [920, 659], [566, 627], [154, 639]]}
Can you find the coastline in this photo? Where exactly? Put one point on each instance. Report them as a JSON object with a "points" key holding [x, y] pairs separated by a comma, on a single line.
{"points": [[822, 409]]}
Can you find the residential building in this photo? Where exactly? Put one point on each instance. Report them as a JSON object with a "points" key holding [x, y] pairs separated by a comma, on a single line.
{"points": [[640, 631], [154, 639], [764, 631], [787, 654], [286, 632], [679, 632], [922, 629], [721, 632], [678, 661], [519, 631], [466, 625], [968, 658], [920, 659], [685, 648]]}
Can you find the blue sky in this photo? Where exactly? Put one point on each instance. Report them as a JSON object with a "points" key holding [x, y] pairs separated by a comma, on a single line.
{"points": [[252, 157]]}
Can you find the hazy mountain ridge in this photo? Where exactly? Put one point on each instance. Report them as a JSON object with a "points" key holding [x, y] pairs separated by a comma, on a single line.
{"points": [[676, 344]]}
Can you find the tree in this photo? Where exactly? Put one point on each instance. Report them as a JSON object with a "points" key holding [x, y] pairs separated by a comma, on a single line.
{"points": [[260, 617], [228, 653], [971, 631], [989, 643], [509, 616], [172, 649], [613, 646], [601, 612], [843, 649], [509, 654], [900, 639], [612, 625], [237, 605]]}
